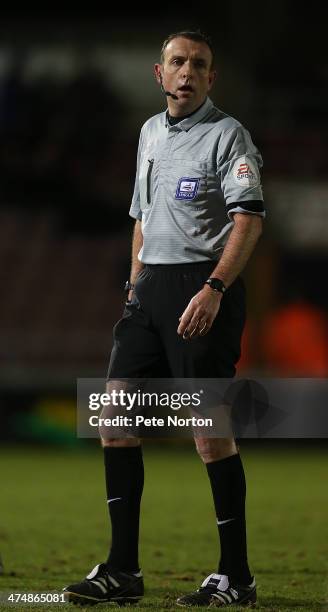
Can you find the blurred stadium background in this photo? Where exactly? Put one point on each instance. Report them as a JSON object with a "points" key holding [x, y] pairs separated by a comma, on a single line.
{"points": [[74, 92]]}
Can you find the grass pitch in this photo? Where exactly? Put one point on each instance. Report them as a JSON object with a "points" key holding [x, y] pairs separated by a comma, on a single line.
{"points": [[54, 526]]}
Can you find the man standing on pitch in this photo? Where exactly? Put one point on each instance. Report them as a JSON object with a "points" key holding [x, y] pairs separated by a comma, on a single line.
{"points": [[198, 206]]}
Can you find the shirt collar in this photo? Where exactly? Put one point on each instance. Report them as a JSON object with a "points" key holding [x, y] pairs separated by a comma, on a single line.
{"points": [[189, 122]]}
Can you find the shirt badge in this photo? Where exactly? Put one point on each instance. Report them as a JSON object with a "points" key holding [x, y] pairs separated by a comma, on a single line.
{"points": [[187, 188], [245, 172]]}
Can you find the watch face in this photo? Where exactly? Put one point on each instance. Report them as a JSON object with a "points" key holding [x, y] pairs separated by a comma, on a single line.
{"points": [[128, 286], [216, 284]]}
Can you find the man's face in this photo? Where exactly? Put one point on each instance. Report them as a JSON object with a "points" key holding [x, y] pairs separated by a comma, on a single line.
{"points": [[186, 72]]}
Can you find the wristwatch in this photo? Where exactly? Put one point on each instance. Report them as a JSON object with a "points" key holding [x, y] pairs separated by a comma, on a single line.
{"points": [[216, 284], [128, 286]]}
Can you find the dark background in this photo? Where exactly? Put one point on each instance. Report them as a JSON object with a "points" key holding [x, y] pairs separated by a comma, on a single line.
{"points": [[75, 89]]}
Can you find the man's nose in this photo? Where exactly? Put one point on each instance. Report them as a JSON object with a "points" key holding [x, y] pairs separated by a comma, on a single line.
{"points": [[187, 70]]}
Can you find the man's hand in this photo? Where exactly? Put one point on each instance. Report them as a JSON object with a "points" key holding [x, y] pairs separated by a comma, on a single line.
{"points": [[200, 313]]}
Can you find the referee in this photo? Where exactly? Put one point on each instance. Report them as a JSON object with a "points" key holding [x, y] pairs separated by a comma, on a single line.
{"points": [[198, 208]]}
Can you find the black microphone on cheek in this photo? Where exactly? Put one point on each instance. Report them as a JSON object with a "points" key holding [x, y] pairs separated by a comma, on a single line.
{"points": [[167, 93], [173, 96]]}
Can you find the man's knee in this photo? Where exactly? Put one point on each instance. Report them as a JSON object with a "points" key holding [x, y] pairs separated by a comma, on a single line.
{"points": [[213, 449], [120, 442]]}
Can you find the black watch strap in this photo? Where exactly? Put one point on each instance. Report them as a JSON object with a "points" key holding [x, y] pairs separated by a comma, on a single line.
{"points": [[128, 286], [216, 284]]}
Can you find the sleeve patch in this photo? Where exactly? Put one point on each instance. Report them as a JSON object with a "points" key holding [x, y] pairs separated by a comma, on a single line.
{"points": [[245, 172]]}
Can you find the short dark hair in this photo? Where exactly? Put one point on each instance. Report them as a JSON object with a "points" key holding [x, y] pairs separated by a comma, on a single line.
{"points": [[197, 36]]}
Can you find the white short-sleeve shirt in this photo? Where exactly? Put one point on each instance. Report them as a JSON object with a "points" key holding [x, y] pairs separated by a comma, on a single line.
{"points": [[191, 177]]}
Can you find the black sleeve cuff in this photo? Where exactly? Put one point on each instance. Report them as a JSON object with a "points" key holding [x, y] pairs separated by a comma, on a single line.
{"points": [[252, 206]]}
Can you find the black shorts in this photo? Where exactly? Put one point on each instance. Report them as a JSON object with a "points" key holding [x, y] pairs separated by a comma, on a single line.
{"points": [[146, 343]]}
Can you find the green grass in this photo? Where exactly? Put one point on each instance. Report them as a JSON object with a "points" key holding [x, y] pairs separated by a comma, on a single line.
{"points": [[54, 525]]}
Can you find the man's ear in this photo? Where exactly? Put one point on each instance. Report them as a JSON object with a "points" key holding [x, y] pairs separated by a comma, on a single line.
{"points": [[158, 73], [211, 79]]}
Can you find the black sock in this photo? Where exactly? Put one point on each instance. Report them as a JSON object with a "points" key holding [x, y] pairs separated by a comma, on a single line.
{"points": [[124, 483], [229, 493]]}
